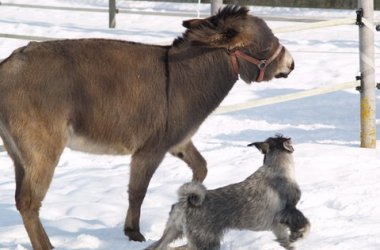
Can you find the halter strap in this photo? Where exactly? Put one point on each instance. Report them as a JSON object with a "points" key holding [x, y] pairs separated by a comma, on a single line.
{"points": [[261, 64]]}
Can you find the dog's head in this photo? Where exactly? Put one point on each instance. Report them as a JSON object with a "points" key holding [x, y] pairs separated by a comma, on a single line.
{"points": [[279, 142]]}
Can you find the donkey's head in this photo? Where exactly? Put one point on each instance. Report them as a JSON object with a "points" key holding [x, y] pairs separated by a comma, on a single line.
{"points": [[256, 54]]}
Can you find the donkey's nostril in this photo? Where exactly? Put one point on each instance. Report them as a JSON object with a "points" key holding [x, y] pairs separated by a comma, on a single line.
{"points": [[281, 75], [292, 66]]}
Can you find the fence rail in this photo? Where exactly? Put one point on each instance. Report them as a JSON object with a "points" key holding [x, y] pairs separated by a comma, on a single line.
{"points": [[317, 25], [298, 27], [286, 98], [36, 6], [27, 37], [160, 13]]}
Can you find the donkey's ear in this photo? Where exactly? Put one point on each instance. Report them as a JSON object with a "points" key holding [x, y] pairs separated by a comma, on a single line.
{"points": [[288, 145], [227, 29], [193, 23], [263, 147]]}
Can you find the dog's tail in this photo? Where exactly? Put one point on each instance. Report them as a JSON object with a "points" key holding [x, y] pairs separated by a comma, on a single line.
{"points": [[192, 193], [298, 224]]}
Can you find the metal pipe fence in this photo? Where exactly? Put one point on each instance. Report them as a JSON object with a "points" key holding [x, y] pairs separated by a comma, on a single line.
{"points": [[286, 98]]}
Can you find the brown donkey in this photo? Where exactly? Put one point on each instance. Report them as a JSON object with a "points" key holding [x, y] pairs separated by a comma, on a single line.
{"points": [[117, 97]]}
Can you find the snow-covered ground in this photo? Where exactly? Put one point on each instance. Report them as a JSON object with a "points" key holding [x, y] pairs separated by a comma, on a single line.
{"points": [[86, 204]]}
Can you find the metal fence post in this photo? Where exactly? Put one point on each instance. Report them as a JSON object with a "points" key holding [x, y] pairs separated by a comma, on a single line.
{"points": [[112, 13], [215, 6], [367, 69]]}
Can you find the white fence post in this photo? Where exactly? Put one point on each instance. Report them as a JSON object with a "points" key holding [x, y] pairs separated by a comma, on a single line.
{"points": [[215, 6], [112, 13], [367, 69]]}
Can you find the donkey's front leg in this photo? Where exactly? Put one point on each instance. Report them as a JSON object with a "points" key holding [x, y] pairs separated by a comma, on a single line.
{"points": [[143, 166], [189, 153]]}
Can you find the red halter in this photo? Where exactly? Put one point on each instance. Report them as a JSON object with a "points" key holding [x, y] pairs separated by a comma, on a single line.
{"points": [[261, 64]]}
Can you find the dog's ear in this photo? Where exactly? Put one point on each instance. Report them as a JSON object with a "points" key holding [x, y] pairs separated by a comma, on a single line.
{"points": [[263, 147], [288, 146]]}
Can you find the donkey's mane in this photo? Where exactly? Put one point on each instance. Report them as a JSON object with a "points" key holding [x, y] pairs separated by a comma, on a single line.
{"points": [[178, 41], [232, 11]]}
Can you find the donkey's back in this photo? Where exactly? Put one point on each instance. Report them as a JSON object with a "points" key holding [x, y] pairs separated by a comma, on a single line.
{"points": [[81, 89]]}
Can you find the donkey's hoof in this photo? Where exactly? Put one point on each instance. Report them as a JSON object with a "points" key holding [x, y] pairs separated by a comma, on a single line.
{"points": [[134, 235]]}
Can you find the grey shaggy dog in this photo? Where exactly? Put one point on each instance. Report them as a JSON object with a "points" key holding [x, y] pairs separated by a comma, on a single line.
{"points": [[265, 201]]}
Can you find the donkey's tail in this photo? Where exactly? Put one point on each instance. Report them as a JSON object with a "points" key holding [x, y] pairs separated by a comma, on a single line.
{"points": [[192, 193]]}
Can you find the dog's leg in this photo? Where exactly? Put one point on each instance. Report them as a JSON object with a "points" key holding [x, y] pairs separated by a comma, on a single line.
{"points": [[298, 224], [199, 239], [302, 231], [172, 231], [184, 247], [214, 245], [282, 235]]}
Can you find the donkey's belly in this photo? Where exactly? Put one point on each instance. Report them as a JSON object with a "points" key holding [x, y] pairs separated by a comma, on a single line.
{"points": [[88, 145]]}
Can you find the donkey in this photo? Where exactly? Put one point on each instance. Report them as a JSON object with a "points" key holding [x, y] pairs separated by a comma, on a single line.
{"points": [[119, 97], [266, 200]]}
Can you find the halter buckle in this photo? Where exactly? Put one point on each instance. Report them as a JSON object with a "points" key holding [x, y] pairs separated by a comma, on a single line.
{"points": [[262, 64]]}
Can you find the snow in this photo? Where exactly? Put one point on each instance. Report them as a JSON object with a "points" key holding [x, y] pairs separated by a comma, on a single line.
{"points": [[86, 203]]}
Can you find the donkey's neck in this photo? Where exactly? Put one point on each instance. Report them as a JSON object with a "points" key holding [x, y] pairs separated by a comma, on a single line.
{"points": [[199, 79]]}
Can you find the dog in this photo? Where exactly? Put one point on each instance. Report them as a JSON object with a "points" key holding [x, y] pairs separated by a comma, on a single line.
{"points": [[265, 201]]}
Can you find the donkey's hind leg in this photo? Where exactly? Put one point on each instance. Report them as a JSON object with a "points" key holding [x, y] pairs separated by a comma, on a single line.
{"points": [[190, 154], [38, 154]]}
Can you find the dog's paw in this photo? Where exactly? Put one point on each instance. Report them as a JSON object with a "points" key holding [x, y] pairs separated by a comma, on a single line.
{"points": [[299, 234], [285, 243], [184, 247]]}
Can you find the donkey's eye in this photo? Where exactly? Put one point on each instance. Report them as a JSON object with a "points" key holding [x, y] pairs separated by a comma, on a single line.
{"points": [[214, 21], [230, 33]]}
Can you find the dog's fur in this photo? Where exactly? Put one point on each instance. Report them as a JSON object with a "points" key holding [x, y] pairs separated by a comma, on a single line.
{"points": [[265, 201]]}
